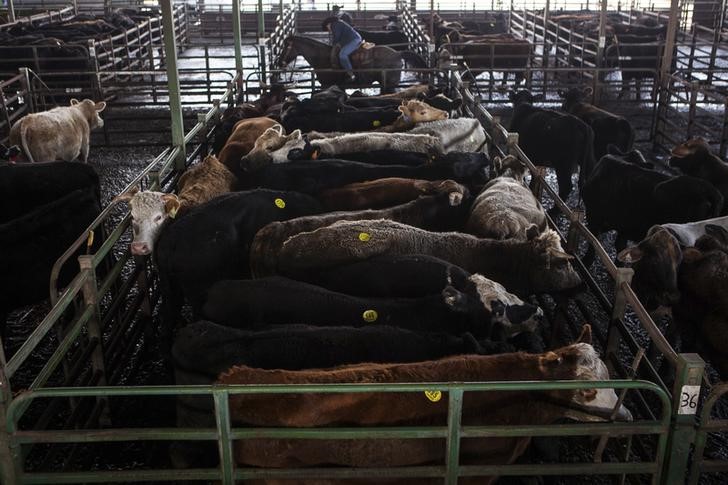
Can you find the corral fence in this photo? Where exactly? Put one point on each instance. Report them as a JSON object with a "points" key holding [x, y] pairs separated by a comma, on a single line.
{"points": [[33, 17], [74, 401], [54, 74]]}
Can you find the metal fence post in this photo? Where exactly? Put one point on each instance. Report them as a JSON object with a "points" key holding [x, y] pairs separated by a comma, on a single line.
{"points": [[8, 456], [624, 275], [11, 11], [685, 396], [175, 101], [237, 37], [572, 238], [29, 97], [93, 327], [261, 20]]}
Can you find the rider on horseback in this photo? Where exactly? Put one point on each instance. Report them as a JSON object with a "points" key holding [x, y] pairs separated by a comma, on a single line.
{"points": [[348, 38]]}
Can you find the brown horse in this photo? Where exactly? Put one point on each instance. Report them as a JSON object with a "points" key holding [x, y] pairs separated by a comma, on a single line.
{"points": [[386, 61]]}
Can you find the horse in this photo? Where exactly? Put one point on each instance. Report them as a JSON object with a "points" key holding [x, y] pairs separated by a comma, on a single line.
{"points": [[386, 60]]}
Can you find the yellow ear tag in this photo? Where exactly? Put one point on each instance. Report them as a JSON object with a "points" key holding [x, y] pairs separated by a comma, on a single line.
{"points": [[433, 396], [370, 316], [173, 212], [90, 239], [376, 123], [364, 236], [280, 203]]}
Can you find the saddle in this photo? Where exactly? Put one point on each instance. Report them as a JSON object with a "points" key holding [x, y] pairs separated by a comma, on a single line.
{"points": [[363, 56]]}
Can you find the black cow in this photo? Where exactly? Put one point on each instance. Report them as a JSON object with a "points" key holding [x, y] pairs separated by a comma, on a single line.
{"points": [[212, 242], [393, 38], [553, 139], [609, 129], [28, 186], [278, 300], [312, 177], [694, 158], [406, 276], [636, 61], [630, 199], [31, 243], [296, 116]]}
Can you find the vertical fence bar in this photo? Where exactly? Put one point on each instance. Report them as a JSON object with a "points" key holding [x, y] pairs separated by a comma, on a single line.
{"points": [[11, 11], [261, 20], [685, 395], [237, 38], [224, 440], [454, 419], [175, 100], [91, 298], [8, 459]]}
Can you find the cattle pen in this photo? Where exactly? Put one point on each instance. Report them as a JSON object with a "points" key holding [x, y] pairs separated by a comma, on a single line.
{"points": [[82, 400]]}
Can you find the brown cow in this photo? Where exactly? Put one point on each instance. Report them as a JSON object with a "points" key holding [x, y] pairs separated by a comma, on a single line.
{"points": [[523, 267], [506, 208], [576, 361], [436, 212], [243, 138], [414, 112], [499, 52], [61, 133], [150, 210], [381, 193]]}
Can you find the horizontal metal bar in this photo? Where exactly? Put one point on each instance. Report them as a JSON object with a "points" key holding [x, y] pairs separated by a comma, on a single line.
{"points": [[638, 468]]}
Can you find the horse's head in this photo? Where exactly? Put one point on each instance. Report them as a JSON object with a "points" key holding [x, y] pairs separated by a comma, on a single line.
{"points": [[289, 51]]}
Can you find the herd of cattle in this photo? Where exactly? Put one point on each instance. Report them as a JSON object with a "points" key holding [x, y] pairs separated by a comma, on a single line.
{"points": [[375, 238], [633, 48], [63, 46]]}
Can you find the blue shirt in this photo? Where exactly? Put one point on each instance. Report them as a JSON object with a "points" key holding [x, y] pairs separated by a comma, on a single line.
{"points": [[343, 33]]}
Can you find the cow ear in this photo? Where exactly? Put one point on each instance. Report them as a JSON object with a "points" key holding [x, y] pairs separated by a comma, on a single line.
{"points": [[630, 255], [497, 309], [718, 232], [549, 359], [125, 196], [171, 204], [532, 232], [454, 299], [585, 337], [74, 101], [100, 106], [296, 135], [404, 109], [277, 128]]}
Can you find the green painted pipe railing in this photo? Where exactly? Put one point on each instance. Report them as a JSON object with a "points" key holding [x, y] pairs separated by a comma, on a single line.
{"points": [[225, 434]]}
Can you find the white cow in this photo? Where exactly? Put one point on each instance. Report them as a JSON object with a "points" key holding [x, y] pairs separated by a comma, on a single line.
{"points": [[61, 133]]}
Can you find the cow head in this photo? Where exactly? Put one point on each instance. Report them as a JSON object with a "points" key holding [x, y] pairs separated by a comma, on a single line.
{"points": [[270, 141], [523, 97], [90, 111], [691, 157], [512, 314], [509, 166], [149, 212], [440, 101], [580, 361], [635, 157], [656, 261], [714, 239], [414, 111], [574, 96], [547, 266]]}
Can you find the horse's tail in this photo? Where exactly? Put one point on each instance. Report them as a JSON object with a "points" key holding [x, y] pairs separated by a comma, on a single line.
{"points": [[413, 59]]}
